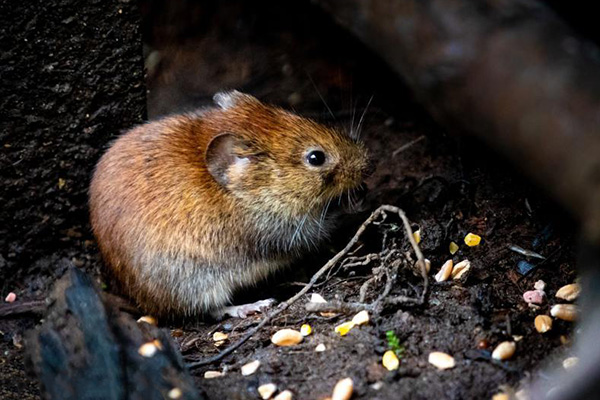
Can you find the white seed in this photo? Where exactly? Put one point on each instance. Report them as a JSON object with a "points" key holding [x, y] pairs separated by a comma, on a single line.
{"points": [[461, 269], [390, 361], [320, 347], [267, 390], [500, 396], [250, 368], [286, 337], [317, 298], [220, 336], [148, 319], [543, 323], [539, 285], [213, 374], [427, 266], [285, 395], [504, 351], [570, 362], [361, 318], [566, 312], [444, 272], [343, 389], [441, 360], [569, 292], [148, 349], [175, 393]]}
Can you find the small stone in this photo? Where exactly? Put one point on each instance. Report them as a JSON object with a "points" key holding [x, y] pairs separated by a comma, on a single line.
{"points": [[286, 337], [472, 240], [539, 285], [175, 393], [504, 351], [267, 390], [441, 360], [10, 298], [285, 395], [343, 389], [320, 348], [569, 292], [250, 368], [534, 296], [543, 323], [317, 298], [390, 361], [361, 318]]}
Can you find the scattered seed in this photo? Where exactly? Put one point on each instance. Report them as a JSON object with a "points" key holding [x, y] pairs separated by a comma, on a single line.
{"points": [[504, 351], [517, 338], [11, 297], [220, 336], [250, 368], [441, 360], [175, 393], [305, 330], [543, 323], [539, 285], [483, 344], [61, 183], [177, 332], [500, 396], [534, 296], [472, 240], [427, 266], [148, 319], [453, 248], [344, 328], [417, 236], [444, 272], [569, 292], [361, 318], [343, 389], [461, 269], [390, 361], [286, 337], [566, 312], [320, 347], [213, 374], [285, 395], [267, 390], [570, 362], [564, 340], [148, 349], [317, 298]]}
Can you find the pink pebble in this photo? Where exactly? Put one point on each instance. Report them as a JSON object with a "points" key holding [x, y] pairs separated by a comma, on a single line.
{"points": [[534, 296], [11, 297]]}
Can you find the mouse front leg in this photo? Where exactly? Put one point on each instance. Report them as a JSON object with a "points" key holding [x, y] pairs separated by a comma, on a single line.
{"points": [[244, 310]]}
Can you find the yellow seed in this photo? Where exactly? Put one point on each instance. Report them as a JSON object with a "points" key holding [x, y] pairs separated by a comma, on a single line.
{"points": [[390, 361], [343, 389], [444, 272], [472, 240], [453, 248], [220, 336], [158, 344], [213, 374], [570, 362], [250, 368], [543, 323], [361, 318], [441, 360], [569, 292], [566, 312], [267, 390], [147, 350], [286, 337], [417, 236], [504, 351], [285, 395], [344, 328], [61, 183], [148, 319], [175, 393], [305, 330], [500, 396], [320, 347], [461, 269]]}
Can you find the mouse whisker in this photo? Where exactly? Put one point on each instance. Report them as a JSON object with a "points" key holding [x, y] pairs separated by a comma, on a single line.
{"points": [[362, 117], [320, 95], [323, 215]]}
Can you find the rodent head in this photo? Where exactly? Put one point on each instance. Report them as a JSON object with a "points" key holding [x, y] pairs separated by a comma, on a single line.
{"points": [[277, 162]]}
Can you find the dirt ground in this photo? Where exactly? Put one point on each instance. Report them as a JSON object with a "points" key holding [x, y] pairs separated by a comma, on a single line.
{"points": [[71, 79]]}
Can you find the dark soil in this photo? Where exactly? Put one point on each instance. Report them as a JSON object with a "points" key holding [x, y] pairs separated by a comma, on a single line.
{"points": [[71, 81]]}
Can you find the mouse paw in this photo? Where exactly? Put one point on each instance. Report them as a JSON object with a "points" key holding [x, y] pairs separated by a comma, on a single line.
{"points": [[244, 310]]}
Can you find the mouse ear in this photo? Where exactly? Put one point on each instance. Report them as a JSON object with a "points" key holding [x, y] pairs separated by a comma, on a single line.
{"points": [[231, 98], [221, 155]]}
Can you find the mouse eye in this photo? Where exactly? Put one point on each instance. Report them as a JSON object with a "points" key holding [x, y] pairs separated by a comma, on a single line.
{"points": [[315, 158]]}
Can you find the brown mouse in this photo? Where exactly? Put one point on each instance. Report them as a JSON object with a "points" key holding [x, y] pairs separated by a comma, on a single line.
{"points": [[192, 207]]}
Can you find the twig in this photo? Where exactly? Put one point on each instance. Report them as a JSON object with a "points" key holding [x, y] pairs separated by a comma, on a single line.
{"points": [[22, 307], [407, 145], [332, 262]]}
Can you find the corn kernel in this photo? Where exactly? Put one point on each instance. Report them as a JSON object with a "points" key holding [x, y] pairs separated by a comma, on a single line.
{"points": [[305, 330], [453, 248], [390, 361], [344, 328], [472, 240], [417, 236]]}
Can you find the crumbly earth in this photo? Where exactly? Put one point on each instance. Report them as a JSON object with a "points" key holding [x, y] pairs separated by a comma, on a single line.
{"points": [[72, 79]]}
